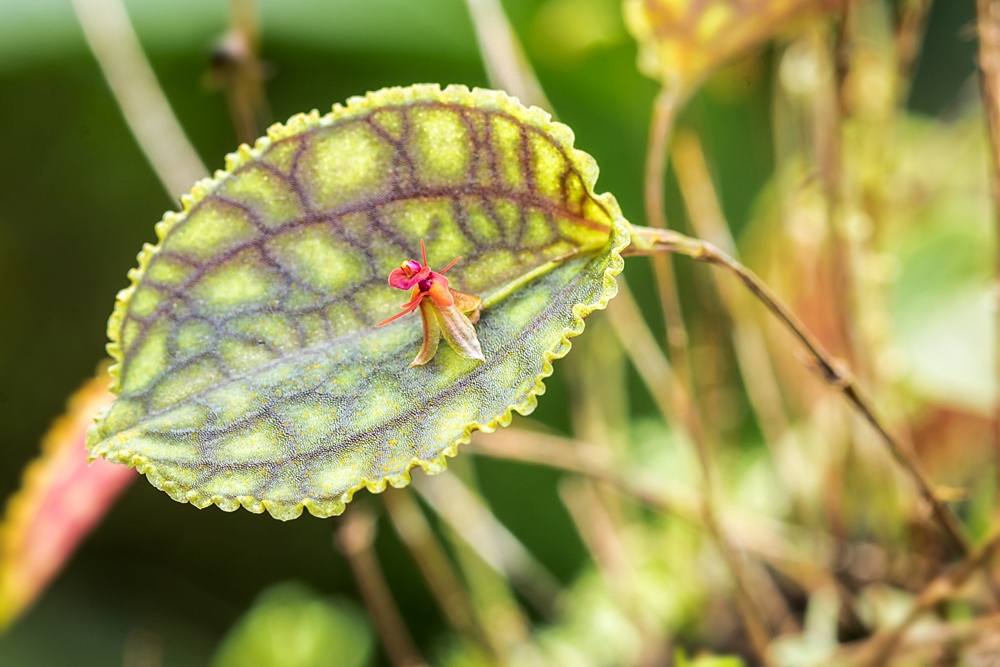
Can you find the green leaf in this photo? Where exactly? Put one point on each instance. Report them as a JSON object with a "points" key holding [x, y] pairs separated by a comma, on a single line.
{"points": [[290, 626], [250, 371]]}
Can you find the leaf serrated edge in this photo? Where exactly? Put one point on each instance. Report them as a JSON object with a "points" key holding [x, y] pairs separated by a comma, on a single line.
{"points": [[478, 98]]}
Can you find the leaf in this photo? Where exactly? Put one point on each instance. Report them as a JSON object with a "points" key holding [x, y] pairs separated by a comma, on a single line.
{"points": [[250, 371], [60, 501], [682, 41], [290, 626]]}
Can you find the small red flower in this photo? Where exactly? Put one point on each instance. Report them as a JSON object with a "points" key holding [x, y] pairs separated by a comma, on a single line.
{"points": [[443, 310]]}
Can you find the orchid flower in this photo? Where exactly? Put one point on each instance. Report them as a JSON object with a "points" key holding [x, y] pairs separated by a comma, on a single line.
{"points": [[443, 310]]}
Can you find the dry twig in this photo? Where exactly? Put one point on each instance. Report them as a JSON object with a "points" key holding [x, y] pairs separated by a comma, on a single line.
{"points": [[236, 67], [751, 351], [647, 240], [988, 26], [473, 521], [665, 110], [675, 403], [355, 538], [415, 532]]}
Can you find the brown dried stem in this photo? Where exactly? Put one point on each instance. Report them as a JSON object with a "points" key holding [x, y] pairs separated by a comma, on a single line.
{"points": [[355, 538], [988, 26], [909, 36], [879, 649], [416, 534], [584, 459], [476, 525], [236, 67], [665, 111], [675, 403], [752, 355], [592, 461], [133, 83], [647, 241]]}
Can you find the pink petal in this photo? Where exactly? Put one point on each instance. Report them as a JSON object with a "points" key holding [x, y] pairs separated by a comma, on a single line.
{"points": [[398, 279]]}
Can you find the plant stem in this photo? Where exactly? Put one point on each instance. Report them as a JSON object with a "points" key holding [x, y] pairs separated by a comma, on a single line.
{"points": [[355, 537], [752, 354], [675, 403], [879, 649], [665, 110], [416, 534], [471, 520], [237, 68], [650, 362], [646, 240], [507, 68], [584, 458], [908, 39], [988, 26], [133, 83]]}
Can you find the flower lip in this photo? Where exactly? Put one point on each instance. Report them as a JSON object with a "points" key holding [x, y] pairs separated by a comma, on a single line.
{"points": [[405, 277]]}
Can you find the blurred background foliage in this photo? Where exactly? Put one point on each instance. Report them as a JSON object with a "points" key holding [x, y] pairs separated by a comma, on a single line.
{"points": [[158, 583]]}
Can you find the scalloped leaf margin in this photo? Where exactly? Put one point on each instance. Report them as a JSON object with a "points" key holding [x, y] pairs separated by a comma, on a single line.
{"points": [[619, 239]]}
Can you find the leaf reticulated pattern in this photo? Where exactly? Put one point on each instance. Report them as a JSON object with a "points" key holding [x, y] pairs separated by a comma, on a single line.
{"points": [[249, 368]]}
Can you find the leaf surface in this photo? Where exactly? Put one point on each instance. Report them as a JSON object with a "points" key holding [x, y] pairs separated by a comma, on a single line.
{"points": [[250, 371]]}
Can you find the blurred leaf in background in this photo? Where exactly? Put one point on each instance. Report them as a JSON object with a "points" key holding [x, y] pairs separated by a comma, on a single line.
{"points": [[61, 500], [291, 626]]}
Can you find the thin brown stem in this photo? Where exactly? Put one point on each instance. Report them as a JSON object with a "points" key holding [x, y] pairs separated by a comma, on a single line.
{"points": [[909, 35], [647, 240], [674, 400], [133, 83], [752, 355], [584, 459], [879, 649], [653, 367], [472, 521], [355, 537], [600, 536], [665, 111], [416, 534], [988, 26], [236, 67]]}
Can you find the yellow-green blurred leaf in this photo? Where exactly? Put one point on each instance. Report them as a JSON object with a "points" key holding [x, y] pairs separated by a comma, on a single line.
{"points": [[250, 371], [564, 31], [290, 626], [706, 660], [682, 41]]}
